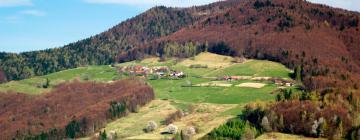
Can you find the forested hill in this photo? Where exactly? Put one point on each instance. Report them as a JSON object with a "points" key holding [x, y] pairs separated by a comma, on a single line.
{"points": [[100, 49], [320, 42]]}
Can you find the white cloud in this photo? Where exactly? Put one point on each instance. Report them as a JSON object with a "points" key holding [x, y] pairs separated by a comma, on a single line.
{"points": [[36, 13], [353, 5], [172, 3], [11, 3]]}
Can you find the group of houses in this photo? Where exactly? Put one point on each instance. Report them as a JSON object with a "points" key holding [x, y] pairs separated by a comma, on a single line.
{"points": [[161, 71], [282, 82]]}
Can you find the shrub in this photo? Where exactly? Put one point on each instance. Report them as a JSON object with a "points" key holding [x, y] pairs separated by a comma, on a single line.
{"points": [[249, 133], [188, 133], [173, 117], [172, 129], [102, 135], [234, 129], [46, 84], [265, 124], [151, 126]]}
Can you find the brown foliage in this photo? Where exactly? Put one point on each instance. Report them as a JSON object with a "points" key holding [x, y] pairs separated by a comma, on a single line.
{"points": [[2, 76], [173, 117], [329, 56], [23, 115], [299, 117]]}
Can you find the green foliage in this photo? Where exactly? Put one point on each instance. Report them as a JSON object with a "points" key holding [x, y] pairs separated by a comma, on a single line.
{"points": [[234, 129], [46, 84], [221, 48], [117, 109], [186, 50], [261, 3], [72, 129], [298, 73], [103, 135], [288, 94]]}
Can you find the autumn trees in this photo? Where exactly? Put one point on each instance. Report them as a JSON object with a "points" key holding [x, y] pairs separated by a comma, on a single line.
{"points": [[70, 110], [2, 76]]}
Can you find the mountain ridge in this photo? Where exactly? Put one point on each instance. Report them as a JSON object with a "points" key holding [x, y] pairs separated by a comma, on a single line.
{"points": [[260, 29]]}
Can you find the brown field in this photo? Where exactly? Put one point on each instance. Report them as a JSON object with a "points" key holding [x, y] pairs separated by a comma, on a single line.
{"points": [[205, 118], [214, 84], [209, 59], [251, 85], [23, 115]]}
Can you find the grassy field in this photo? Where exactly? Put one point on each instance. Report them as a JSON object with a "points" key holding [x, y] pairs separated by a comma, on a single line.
{"points": [[259, 68], [33, 85], [205, 118], [220, 102]]}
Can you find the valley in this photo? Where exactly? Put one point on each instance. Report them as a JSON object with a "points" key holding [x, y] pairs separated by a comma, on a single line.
{"points": [[211, 105], [232, 69]]}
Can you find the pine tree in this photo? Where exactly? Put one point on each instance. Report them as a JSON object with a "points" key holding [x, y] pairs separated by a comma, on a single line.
{"points": [[297, 73]]}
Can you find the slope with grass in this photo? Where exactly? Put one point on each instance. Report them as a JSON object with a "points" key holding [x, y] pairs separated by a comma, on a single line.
{"points": [[222, 102], [34, 85]]}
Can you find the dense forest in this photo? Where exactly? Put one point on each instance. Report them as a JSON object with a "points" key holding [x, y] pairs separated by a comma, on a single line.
{"points": [[70, 110]]}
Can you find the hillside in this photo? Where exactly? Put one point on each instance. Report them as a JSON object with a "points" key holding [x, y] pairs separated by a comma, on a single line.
{"points": [[319, 43], [200, 91], [277, 30], [288, 32], [70, 110], [106, 47]]}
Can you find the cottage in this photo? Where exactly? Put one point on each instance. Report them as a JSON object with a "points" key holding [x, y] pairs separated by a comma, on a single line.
{"points": [[177, 74]]}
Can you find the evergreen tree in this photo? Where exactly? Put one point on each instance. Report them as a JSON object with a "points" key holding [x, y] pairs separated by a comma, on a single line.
{"points": [[297, 73]]}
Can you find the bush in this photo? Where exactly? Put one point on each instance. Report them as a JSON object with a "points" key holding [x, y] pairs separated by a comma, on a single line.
{"points": [[234, 129], [172, 129], [46, 84], [188, 133], [102, 135], [173, 117], [265, 124], [151, 126]]}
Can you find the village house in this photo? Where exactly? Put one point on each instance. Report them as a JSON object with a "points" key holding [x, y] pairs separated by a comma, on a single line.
{"points": [[161, 70], [282, 82], [143, 70], [177, 74]]}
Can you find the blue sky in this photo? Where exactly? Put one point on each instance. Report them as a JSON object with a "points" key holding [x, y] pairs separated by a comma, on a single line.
{"points": [[27, 25]]}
